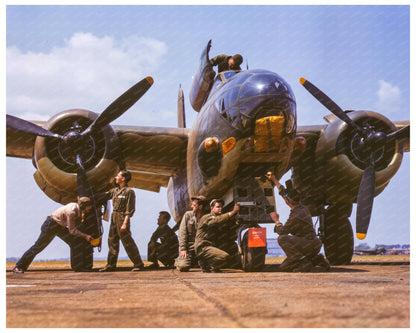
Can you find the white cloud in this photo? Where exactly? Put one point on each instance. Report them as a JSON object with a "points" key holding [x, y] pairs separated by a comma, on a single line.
{"points": [[389, 98], [86, 72]]}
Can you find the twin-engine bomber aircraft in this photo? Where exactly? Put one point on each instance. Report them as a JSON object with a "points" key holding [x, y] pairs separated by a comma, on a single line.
{"points": [[246, 126]]}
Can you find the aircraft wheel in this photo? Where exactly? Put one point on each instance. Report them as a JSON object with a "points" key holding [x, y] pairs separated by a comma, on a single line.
{"points": [[338, 235], [253, 258]]}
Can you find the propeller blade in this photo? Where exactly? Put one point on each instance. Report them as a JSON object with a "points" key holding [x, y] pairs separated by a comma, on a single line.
{"points": [[365, 199], [83, 185], [121, 104], [25, 126], [399, 134], [93, 223], [329, 104]]}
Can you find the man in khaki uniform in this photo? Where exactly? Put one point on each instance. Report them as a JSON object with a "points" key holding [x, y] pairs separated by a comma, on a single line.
{"points": [[124, 202], [225, 62], [64, 223], [163, 245], [187, 233], [207, 233], [297, 236]]}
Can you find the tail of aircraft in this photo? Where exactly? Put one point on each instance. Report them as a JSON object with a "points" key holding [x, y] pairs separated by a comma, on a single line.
{"points": [[181, 109]]}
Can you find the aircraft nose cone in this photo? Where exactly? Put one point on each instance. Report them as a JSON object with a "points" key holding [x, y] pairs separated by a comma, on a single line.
{"points": [[260, 88]]}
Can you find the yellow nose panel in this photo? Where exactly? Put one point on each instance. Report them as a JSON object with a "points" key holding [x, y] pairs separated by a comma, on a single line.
{"points": [[267, 134]]}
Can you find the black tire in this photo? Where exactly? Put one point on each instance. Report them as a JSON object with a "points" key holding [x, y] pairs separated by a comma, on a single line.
{"points": [[338, 235], [253, 258]]}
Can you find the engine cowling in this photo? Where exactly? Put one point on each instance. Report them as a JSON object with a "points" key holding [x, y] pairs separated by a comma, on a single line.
{"points": [[55, 161], [332, 166]]}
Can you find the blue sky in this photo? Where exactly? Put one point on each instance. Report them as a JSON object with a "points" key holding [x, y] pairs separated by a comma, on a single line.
{"points": [[62, 57]]}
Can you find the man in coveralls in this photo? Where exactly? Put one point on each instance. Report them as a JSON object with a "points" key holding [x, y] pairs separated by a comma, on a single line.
{"points": [[187, 233], [297, 236], [124, 202], [207, 233], [166, 250]]}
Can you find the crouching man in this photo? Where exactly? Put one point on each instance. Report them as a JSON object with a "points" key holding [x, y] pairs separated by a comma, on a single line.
{"points": [[207, 233], [297, 236], [163, 245]]}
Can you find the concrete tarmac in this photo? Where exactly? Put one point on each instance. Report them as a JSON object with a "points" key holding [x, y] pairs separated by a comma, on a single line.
{"points": [[370, 293]]}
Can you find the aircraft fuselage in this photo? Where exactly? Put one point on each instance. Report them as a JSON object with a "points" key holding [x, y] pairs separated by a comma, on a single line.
{"points": [[251, 118]]}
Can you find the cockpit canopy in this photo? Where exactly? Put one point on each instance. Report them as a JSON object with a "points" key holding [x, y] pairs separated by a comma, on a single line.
{"points": [[243, 96]]}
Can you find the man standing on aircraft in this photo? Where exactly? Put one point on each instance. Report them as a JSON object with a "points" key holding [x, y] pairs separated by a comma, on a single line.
{"points": [[167, 249], [226, 62], [187, 233], [207, 233], [64, 223], [297, 236], [124, 202]]}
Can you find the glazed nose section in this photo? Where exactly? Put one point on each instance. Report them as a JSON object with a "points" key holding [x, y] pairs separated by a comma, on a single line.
{"points": [[268, 133], [261, 90]]}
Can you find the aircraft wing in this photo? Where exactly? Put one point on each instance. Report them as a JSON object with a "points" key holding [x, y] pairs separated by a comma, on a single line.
{"points": [[20, 144], [312, 131], [406, 141], [151, 154]]}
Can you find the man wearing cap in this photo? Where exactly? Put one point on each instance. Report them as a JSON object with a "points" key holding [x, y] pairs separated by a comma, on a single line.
{"points": [[124, 205], [64, 223], [163, 244], [297, 236], [225, 62], [187, 233], [207, 233]]}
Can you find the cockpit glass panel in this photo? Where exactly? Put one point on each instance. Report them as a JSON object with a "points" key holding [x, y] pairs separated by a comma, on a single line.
{"points": [[229, 74], [247, 107], [231, 96], [224, 76]]}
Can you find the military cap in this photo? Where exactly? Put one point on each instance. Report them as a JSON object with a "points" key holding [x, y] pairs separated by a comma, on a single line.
{"points": [[84, 202], [214, 201], [200, 198]]}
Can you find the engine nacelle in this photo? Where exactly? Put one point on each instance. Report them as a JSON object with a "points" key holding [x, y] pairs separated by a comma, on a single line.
{"points": [[55, 163], [332, 166]]}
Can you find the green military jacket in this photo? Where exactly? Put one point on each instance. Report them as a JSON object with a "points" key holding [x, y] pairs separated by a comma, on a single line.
{"points": [[222, 62], [187, 231], [298, 224], [124, 200], [208, 230]]}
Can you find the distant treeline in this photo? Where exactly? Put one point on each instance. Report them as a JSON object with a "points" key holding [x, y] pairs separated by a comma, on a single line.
{"points": [[395, 246], [365, 246]]}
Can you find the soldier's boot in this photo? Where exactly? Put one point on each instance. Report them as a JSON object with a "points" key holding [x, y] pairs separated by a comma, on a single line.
{"points": [[170, 264], [205, 267], [287, 266], [153, 265], [304, 266], [321, 261]]}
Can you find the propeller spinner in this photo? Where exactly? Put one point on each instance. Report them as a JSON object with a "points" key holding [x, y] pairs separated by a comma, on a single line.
{"points": [[371, 142]]}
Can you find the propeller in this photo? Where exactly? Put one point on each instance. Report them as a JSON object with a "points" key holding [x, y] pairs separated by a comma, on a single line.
{"points": [[370, 142], [112, 112], [93, 220], [74, 140], [28, 127], [365, 199], [120, 105], [329, 104]]}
